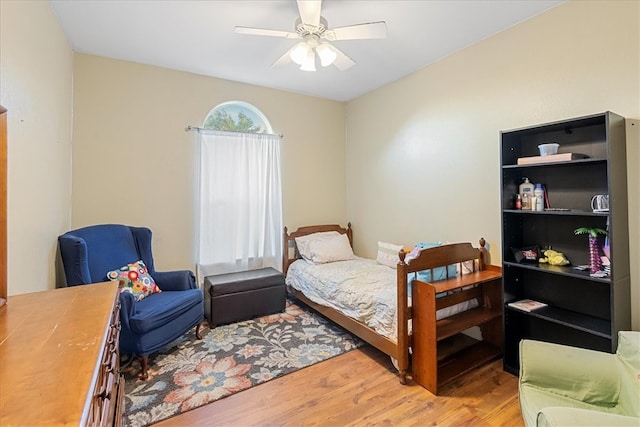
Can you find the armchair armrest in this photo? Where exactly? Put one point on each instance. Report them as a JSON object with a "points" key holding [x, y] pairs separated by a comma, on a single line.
{"points": [[580, 374], [179, 280], [556, 416], [127, 309]]}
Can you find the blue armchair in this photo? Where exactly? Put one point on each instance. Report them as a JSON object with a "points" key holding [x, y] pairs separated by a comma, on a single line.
{"points": [[149, 324]]}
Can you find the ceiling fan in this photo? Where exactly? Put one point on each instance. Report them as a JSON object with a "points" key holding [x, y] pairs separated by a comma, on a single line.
{"points": [[315, 33]]}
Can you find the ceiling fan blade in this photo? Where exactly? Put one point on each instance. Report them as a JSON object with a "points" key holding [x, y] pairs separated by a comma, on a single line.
{"points": [[310, 11], [266, 32], [342, 61], [371, 30], [285, 59]]}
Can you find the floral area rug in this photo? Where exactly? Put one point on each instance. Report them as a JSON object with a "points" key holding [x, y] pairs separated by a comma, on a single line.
{"points": [[190, 373]]}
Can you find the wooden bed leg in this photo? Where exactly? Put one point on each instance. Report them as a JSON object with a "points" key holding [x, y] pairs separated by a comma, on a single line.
{"points": [[403, 377], [402, 372]]}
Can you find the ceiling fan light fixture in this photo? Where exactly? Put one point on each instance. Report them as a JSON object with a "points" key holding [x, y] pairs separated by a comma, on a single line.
{"points": [[326, 54], [317, 38], [309, 63], [300, 53]]}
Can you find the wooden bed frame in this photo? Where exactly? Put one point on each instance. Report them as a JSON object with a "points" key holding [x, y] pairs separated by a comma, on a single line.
{"points": [[489, 309]]}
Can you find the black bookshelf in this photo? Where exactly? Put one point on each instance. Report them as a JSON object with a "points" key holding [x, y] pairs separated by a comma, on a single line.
{"points": [[581, 310]]}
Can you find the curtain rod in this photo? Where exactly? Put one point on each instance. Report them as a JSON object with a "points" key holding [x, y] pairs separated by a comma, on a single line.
{"points": [[198, 129]]}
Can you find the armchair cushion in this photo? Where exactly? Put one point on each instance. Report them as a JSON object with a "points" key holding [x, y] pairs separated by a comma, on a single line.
{"points": [[569, 372], [135, 278], [568, 386], [162, 309], [170, 323]]}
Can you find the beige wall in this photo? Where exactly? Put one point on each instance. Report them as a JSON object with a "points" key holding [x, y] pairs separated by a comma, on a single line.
{"points": [[36, 72], [133, 162], [633, 177], [423, 152]]}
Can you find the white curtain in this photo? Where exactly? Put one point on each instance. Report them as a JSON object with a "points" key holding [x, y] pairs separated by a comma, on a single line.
{"points": [[240, 223]]}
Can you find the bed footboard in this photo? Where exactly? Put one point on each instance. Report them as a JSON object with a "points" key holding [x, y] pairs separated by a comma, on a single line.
{"points": [[441, 352]]}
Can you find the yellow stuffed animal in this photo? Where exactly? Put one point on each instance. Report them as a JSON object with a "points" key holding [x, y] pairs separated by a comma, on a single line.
{"points": [[554, 258]]}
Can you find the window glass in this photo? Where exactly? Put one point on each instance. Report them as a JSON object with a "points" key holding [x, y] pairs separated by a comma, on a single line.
{"points": [[237, 116]]}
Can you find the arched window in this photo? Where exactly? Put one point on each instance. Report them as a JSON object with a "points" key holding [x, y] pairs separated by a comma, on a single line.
{"points": [[240, 199], [237, 116]]}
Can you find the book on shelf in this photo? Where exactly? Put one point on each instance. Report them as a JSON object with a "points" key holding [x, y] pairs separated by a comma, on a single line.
{"points": [[561, 157], [527, 305]]}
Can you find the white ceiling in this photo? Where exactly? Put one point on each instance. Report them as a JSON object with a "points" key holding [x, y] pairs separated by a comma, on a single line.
{"points": [[198, 36]]}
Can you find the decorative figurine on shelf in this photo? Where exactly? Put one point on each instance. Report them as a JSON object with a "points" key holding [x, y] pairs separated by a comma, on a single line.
{"points": [[554, 258], [594, 257]]}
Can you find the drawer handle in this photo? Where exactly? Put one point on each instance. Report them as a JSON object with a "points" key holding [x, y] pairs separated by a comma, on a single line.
{"points": [[111, 361], [110, 358]]}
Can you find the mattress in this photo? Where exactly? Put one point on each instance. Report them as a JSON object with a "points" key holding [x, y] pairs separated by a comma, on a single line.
{"points": [[359, 288]]}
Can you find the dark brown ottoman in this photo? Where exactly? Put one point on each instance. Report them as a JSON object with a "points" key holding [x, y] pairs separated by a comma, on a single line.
{"points": [[233, 297]]}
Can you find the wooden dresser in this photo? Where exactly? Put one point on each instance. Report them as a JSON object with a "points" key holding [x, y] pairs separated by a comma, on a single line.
{"points": [[59, 357]]}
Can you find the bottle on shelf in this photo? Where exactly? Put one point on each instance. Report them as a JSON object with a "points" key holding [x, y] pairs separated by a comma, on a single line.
{"points": [[539, 204], [526, 192], [538, 193]]}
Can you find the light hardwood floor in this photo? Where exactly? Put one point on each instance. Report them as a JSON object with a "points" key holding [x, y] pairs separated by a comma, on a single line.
{"points": [[360, 388]]}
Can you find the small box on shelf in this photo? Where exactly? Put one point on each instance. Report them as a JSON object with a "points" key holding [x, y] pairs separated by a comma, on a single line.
{"points": [[551, 158], [527, 305]]}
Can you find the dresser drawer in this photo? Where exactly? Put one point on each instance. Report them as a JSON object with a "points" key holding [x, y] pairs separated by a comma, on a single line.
{"points": [[108, 395]]}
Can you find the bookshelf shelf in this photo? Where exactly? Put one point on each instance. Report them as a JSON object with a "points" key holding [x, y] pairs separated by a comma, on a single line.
{"points": [[571, 319], [560, 270], [576, 162], [570, 212]]}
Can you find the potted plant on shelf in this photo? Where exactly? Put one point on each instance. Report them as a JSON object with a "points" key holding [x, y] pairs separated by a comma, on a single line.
{"points": [[594, 257]]}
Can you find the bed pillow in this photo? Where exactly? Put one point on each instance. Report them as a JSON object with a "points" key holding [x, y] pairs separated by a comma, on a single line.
{"points": [[303, 242], [331, 249], [388, 254], [135, 279], [321, 248]]}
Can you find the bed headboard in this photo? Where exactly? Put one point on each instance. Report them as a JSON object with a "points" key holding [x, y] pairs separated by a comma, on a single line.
{"points": [[290, 250]]}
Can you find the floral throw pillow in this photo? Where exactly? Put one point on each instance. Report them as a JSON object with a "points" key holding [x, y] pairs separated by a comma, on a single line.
{"points": [[135, 279]]}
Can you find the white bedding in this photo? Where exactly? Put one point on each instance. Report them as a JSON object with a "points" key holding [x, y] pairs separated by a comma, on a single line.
{"points": [[359, 288]]}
